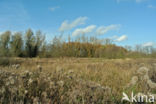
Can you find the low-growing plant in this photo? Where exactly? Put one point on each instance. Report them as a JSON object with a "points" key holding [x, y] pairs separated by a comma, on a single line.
{"points": [[8, 61], [4, 61]]}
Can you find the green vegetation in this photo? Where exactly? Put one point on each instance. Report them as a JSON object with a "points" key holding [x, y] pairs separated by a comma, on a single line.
{"points": [[8, 61], [35, 45]]}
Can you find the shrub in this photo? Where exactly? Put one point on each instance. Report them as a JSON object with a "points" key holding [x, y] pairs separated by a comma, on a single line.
{"points": [[8, 61], [4, 61], [152, 74]]}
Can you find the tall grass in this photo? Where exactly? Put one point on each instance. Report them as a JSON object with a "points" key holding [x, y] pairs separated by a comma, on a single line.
{"points": [[112, 74], [8, 61]]}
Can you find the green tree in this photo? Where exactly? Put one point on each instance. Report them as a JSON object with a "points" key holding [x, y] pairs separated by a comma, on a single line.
{"points": [[16, 44], [4, 43], [57, 47], [39, 43], [29, 43], [33, 43]]}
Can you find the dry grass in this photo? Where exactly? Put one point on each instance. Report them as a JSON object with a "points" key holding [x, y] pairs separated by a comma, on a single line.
{"points": [[114, 74]]}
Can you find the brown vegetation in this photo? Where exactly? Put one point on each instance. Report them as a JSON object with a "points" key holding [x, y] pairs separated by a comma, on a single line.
{"points": [[32, 44], [74, 80]]}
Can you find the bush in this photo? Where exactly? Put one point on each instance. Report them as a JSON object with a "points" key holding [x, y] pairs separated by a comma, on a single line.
{"points": [[4, 61], [152, 74], [8, 61]]}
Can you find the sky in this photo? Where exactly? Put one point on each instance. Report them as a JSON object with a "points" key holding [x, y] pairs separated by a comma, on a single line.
{"points": [[127, 22]]}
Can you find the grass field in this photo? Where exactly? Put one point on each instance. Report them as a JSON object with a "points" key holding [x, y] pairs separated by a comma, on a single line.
{"points": [[75, 80]]}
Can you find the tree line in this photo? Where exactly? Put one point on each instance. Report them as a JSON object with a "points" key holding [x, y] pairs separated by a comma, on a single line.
{"points": [[30, 44]]}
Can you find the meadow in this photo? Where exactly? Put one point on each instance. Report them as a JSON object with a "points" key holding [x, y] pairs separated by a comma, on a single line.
{"points": [[77, 52], [74, 80]]}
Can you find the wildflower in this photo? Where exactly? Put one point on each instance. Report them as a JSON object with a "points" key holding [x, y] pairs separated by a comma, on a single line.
{"points": [[134, 80], [142, 71], [30, 81], [26, 91], [60, 83]]}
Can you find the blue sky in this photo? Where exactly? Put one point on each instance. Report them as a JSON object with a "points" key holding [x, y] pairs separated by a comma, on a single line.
{"points": [[127, 22]]}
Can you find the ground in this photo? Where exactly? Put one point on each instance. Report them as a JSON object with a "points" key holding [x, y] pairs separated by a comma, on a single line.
{"points": [[111, 74]]}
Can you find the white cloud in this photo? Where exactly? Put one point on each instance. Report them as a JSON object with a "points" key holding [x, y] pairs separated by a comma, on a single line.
{"points": [[148, 44], [67, 26], [122, 38], [137, 1], [104, 29], [151, 6], [54, 8], [86, 30]]}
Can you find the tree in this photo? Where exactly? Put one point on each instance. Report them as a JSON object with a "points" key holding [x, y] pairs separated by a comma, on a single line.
{"points": [[39, 40], [44, 51], [153, 52], [16, 44], [4, 43], [107, 41], [57, 46], [33, 43], [29, 43]]}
